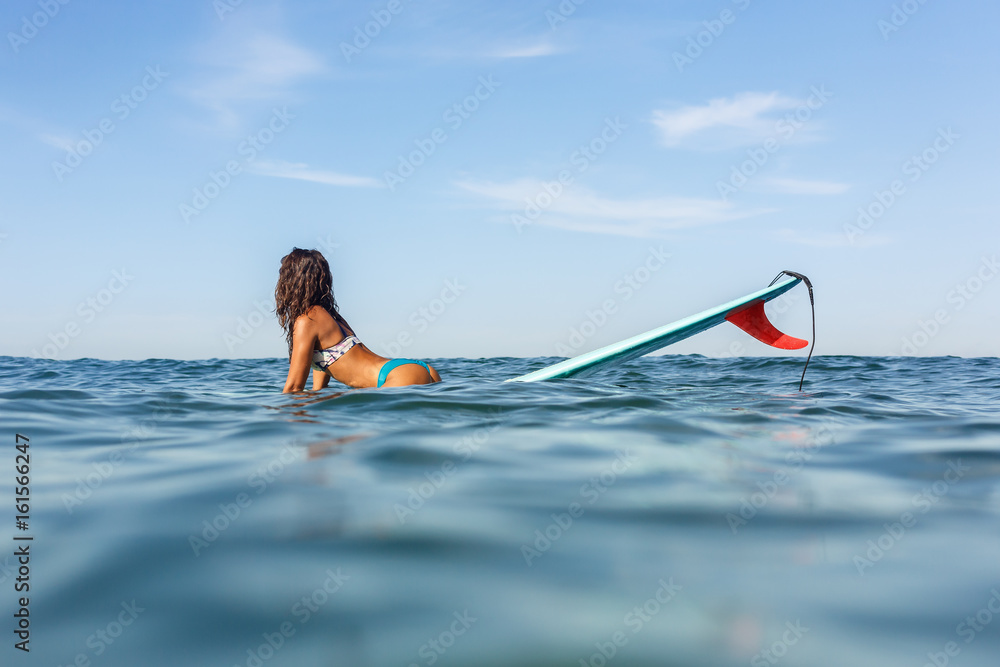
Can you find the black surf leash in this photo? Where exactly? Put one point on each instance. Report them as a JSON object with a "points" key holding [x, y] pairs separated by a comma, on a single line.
{"points": [[812, 306]]}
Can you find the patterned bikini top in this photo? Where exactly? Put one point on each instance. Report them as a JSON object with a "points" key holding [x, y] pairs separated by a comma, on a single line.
{"points": [[323, 358]]}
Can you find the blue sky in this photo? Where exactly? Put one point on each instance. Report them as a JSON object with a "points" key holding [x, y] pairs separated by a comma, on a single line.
{"points": [[488, 178]]}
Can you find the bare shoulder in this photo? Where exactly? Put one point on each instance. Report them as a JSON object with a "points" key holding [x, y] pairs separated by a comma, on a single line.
{"points": [[319, 324], [308, 323]]}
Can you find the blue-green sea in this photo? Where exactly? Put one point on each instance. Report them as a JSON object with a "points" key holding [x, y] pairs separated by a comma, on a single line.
{"points": [[674, 510]]}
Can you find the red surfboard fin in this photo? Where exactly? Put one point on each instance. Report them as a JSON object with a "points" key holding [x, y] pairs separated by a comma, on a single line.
{"points": [[752, 319]]}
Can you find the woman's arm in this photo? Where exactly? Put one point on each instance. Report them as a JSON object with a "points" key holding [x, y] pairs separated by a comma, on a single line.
{"points": [[303, 342], [320, 380]]}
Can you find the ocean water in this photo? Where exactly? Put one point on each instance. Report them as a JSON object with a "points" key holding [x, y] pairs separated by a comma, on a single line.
{"points": [[676, 510]]}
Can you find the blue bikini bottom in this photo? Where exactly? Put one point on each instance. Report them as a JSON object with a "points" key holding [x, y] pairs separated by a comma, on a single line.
{"points": [[393, 363]]}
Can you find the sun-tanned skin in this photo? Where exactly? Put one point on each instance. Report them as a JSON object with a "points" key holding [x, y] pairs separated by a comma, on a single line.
{"points": [[359, 367]]}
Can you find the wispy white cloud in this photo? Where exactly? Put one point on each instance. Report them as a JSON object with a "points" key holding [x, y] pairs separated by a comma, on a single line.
{"points": [[467, 47], [578, 209], [302, 172], [743, 119], [536, 50], [40, 129], [249, 61], [794, 186], [62, 142], [829, 239]]}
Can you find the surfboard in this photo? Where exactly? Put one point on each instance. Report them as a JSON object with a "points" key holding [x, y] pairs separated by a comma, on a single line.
{"points": [[746, 312]]}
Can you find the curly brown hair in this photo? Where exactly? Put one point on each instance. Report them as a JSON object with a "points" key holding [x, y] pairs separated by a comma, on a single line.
{"points": [[304, 281]]}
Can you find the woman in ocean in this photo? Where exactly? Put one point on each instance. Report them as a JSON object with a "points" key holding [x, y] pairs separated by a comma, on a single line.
{"points": [[320, 338]]}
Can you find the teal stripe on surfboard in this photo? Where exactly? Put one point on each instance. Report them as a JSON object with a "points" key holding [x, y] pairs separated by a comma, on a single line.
{"points": [[651, 341]]}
